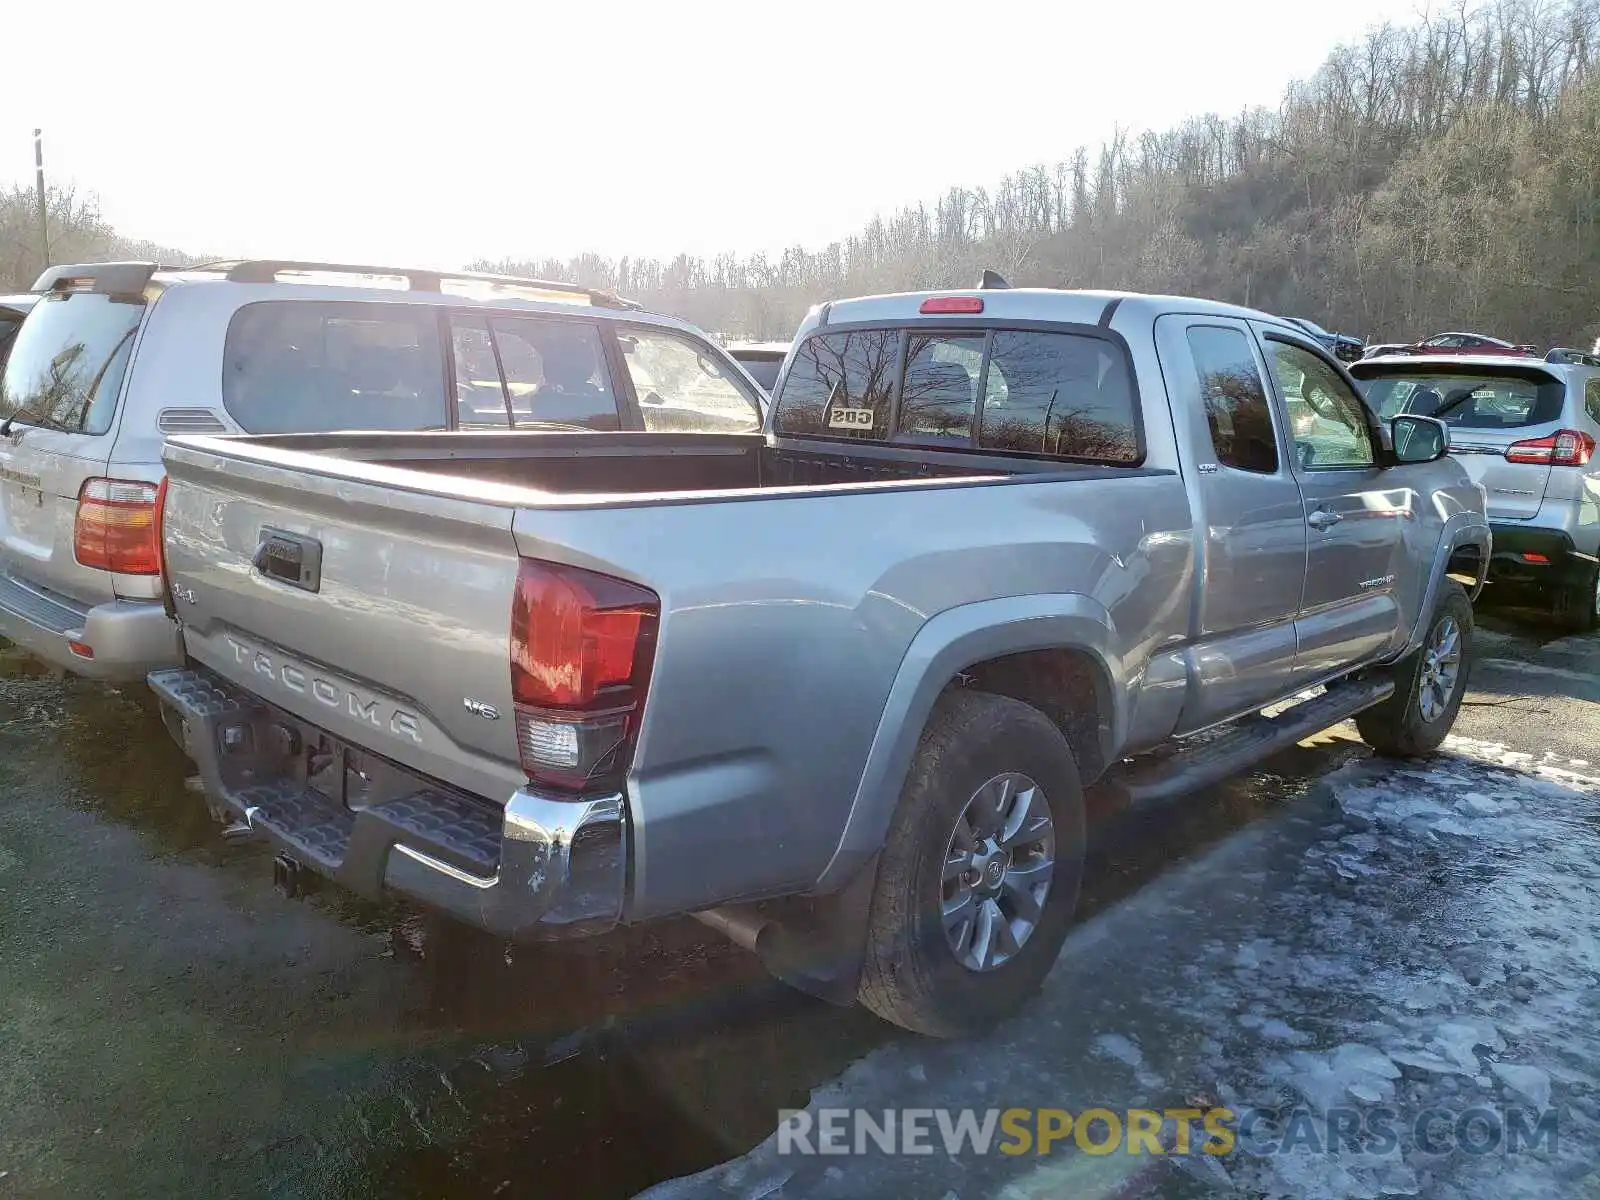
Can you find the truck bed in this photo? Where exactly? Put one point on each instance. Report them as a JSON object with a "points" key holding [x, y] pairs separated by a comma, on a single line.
{"points": [[651, 463]]}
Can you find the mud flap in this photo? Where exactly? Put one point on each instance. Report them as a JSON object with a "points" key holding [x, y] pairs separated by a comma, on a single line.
{"points": [[817, 944]]}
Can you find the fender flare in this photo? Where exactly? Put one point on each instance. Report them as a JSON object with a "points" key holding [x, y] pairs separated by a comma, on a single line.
{"points": [[945, 646], [1462, 530]]}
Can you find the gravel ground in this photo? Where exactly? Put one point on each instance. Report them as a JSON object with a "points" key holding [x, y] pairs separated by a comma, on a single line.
{"points": [[1322, 934]]}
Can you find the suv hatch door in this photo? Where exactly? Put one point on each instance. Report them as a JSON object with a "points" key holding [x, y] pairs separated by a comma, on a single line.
{"points": [[1489, 408], [1515, 490], [61, 384]]}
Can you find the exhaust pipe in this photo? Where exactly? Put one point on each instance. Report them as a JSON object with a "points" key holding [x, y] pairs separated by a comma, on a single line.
{"points": [[742, 928]]}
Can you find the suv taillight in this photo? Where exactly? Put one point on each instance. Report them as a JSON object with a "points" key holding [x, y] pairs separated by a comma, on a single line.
{"points": [[116, 528], [1563, 448], [581, 649]]}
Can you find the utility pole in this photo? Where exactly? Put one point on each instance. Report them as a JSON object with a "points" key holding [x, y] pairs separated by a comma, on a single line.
{"points": [[44, 226]]}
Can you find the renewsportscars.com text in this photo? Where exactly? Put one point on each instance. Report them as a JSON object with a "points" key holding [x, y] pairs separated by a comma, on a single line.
{"points": [[1180, 1131]]}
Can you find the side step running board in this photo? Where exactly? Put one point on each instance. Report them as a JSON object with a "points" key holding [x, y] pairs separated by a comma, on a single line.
{"points": [[1157, 781]]}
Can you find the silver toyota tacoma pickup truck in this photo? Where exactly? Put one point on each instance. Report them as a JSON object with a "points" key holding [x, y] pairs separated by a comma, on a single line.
{"points": [[835, 688]]}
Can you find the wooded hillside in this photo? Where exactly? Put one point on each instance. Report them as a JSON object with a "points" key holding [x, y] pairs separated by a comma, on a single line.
{"points": [[1438, 176]]}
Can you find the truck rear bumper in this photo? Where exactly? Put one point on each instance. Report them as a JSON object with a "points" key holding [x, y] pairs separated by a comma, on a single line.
{"points": [[125, 639], [541, 867]]}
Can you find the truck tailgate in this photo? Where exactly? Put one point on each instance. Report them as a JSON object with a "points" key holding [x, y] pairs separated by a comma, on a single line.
{"points": [[377, 613]]}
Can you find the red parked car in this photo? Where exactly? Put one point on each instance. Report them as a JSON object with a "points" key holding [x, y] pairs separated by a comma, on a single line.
{"points": [[1467, 343]]}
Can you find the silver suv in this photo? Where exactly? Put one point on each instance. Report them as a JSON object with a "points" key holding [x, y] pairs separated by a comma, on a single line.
{"points": [[1526, 432], [113, 357]]}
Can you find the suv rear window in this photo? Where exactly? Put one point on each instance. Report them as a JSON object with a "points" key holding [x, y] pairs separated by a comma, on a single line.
{"points": [[309, 366], [762, 368], [67, 361], [1048, 394], [1469, 400]]}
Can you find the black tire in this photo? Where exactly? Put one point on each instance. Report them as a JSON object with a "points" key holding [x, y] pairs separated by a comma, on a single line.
{"points": [[1574, 605], [911, 974], [1397, 726]]}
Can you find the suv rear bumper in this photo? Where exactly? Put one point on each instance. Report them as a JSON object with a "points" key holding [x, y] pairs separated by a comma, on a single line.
{"points": [[541, 867], [1555, 558], [128, 638]]}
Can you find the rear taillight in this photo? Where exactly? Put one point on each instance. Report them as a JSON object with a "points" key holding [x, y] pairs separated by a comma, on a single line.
{"points": [[116, 528], [581, 649], [1563, 448]]}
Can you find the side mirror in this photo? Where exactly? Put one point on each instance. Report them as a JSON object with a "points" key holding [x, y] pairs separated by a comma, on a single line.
{"points": [[1418, 439]]}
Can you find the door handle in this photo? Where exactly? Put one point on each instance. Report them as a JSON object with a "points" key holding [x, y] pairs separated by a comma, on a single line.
{"points": [[1323, 519]]}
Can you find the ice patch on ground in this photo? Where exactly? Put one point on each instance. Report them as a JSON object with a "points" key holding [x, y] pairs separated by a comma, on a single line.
{"points": [[1410, 938], [1528, 1082]]}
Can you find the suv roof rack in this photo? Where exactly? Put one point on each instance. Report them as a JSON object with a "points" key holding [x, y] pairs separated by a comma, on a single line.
{"points": [[267, 270], [106, 278]]}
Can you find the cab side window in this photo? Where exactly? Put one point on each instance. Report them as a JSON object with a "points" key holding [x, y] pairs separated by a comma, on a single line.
{"points": [[1235, 399], [1335, 434], [1591, 398]]}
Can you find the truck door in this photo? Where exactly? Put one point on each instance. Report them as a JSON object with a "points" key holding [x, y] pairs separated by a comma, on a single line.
{"points": [[1353, 509], [1247, 504]]}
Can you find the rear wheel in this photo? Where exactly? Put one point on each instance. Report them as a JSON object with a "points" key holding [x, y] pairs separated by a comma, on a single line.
{"points": [[1576, 605], [1428, 684], [980, 873]]}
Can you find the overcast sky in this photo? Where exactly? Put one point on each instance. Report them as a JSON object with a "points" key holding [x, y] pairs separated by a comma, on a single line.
{"points": [[435, 134]]}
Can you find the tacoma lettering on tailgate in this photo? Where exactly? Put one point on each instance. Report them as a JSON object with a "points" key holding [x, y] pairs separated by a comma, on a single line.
{"points": [[326, 690]]}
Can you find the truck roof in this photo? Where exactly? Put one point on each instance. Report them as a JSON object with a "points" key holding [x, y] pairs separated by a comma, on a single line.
{"points": [[1036, 304]]}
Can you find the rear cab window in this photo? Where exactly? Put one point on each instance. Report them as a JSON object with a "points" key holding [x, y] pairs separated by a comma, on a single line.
{"points": [[1029, 392], [67, 361], [313, 366], [840, 385]]}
